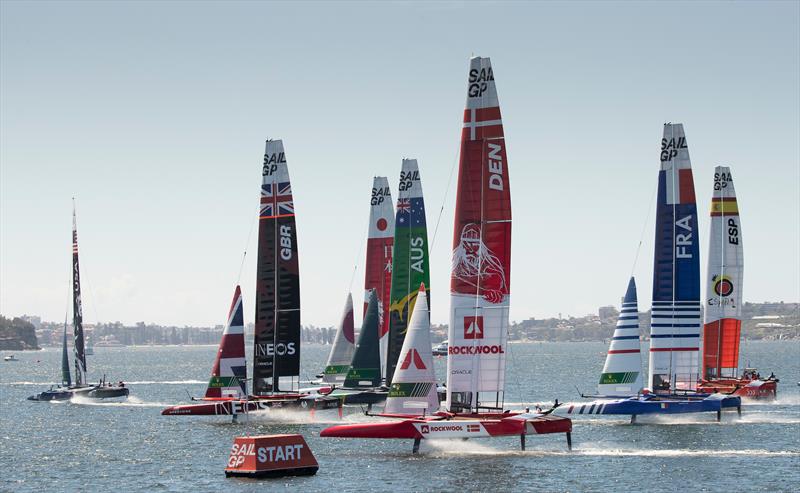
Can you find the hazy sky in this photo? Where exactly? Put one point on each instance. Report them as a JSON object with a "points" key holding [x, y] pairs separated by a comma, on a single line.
{"points": [[154, 115]]}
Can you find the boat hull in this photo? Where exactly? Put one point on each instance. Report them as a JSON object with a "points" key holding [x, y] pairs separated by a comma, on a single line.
{"points": [[657, 405], [744, 388], [454, 426], [233, 407], [357, 397], [87, 392]]}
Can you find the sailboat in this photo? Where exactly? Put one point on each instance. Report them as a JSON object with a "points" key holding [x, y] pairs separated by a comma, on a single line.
{"points": [[378, 266], [410, 265], [343, 347], [276, 358], [480, 295], [675, 318], [723, 310], [81, 388]]}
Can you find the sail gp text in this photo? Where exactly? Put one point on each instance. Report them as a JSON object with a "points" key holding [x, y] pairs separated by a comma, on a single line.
{"points": [[279, 453]]}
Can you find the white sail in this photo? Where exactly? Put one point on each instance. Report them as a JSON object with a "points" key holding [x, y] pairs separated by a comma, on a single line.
{"points": [[622, 373], [343, 347], [723, 307], [413, 389]]}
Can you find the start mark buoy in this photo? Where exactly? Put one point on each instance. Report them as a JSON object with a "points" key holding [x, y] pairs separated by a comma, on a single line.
{"points": [[270, 456]]}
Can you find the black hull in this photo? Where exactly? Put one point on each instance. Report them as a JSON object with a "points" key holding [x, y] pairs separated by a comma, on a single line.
{"points": [[88, 392], [363, 397]]}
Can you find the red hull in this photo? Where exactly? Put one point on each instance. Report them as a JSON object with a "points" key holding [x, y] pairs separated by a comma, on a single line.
{"points": [[742, 387], [455, 426]]}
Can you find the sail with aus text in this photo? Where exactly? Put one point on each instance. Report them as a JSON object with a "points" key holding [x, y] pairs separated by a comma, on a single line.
{"points": [[410, 265]]}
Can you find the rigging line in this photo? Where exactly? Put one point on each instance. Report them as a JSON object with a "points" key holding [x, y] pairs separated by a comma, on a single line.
{"points": [[644, 228], [446, 193], [247, 243], [358, 255]]}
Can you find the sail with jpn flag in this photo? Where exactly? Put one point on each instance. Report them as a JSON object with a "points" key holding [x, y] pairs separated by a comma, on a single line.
{"points": [[378, 267]]}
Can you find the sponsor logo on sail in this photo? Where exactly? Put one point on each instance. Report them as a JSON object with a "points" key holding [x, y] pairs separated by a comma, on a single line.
{"points": [[413, 355], [722, 285], [473, 327]]}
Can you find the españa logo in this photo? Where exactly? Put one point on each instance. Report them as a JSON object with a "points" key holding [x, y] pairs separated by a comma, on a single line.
{"points": [[473, 327], [722, 285], [412, 354]]}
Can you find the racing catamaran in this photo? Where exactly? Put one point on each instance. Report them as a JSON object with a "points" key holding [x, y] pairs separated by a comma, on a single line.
{"points": [[480, 295], [276, 358], [723, 311], [675, 317], [81, 388]]}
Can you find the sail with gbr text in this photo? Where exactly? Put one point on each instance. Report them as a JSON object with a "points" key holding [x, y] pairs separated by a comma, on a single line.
{"points": [[276, 359]]}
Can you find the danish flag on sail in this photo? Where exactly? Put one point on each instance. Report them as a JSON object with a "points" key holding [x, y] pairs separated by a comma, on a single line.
{"points": [[480, 277], [229, 375]]}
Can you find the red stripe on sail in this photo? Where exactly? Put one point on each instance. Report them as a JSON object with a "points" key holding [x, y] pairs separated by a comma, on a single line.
{"points": [[721, 344], [378, 276], [687, 186], [622, 351]]}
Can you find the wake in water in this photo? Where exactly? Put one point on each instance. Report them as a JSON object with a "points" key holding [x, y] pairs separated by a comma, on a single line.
{"points": [[142, 382], [473, 447], [130, 402]]}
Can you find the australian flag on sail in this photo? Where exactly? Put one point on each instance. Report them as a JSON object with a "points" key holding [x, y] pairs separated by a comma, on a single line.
{"points": [[410, 213]]}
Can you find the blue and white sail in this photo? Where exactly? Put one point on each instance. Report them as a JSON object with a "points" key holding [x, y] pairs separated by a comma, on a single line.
{"points": [[622, 373], [675, 325]]}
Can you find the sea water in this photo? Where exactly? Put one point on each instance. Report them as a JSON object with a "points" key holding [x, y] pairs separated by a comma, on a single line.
{"points": [[129, 446]]}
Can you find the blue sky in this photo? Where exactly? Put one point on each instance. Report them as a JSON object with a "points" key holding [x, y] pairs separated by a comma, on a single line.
{"points": [[154, 115]]}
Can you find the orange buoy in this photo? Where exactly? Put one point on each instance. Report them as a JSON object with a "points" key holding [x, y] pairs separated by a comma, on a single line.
{"points": [[271, 456]]}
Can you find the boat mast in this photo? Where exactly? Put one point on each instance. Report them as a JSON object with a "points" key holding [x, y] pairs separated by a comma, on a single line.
{"points": [[77, 310]]}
